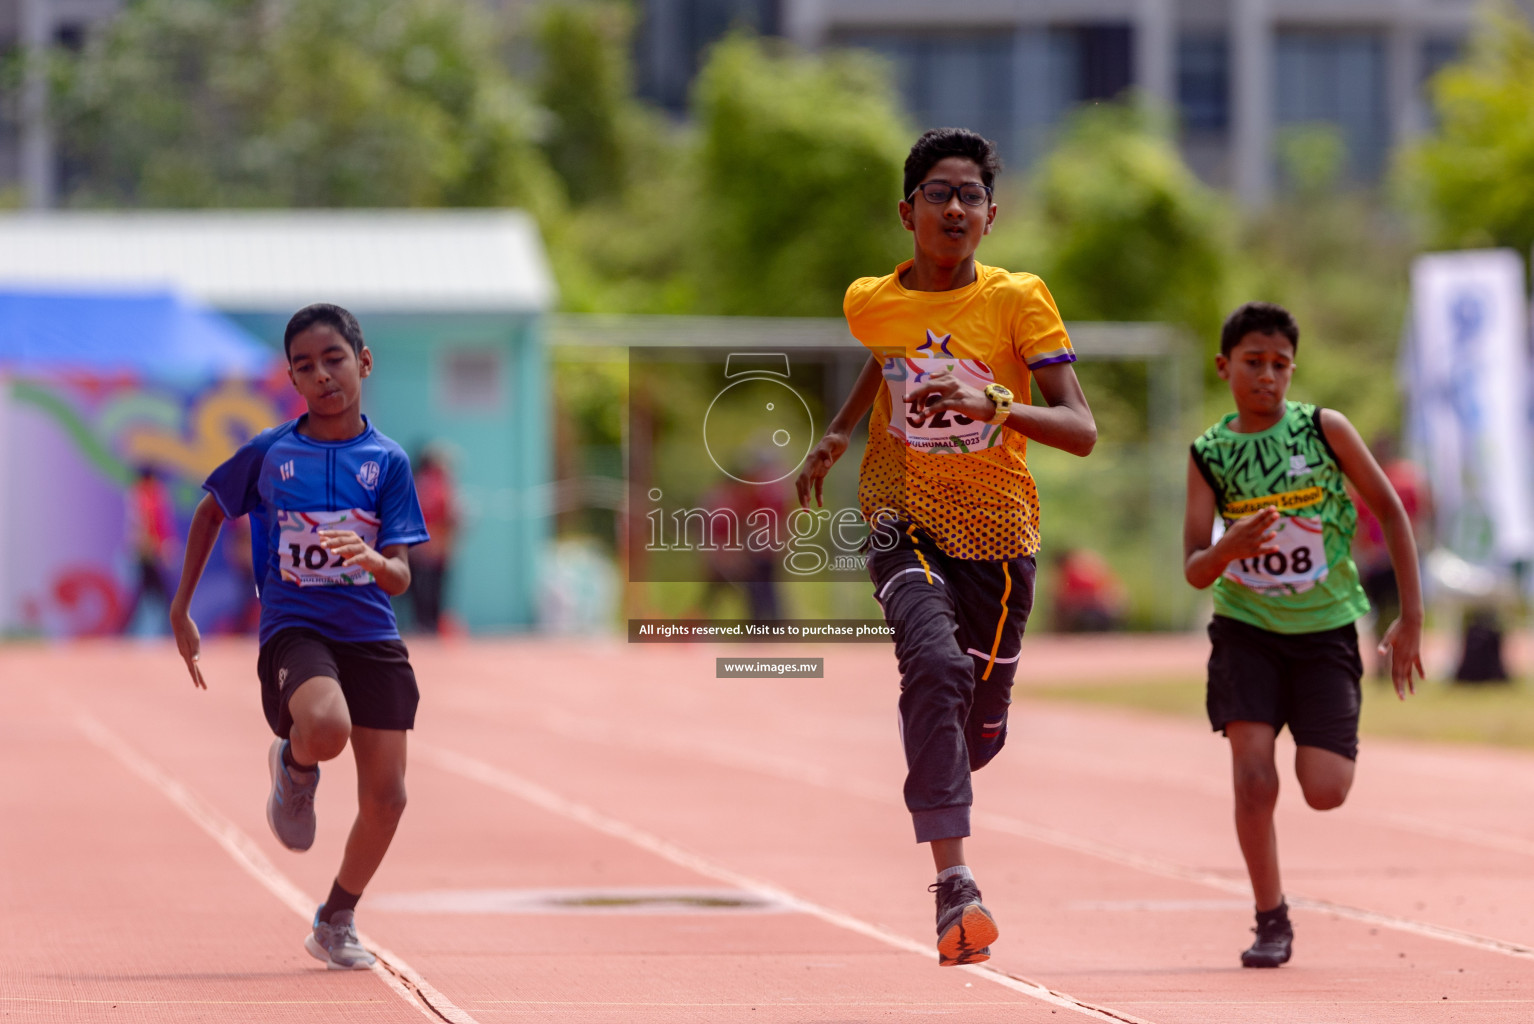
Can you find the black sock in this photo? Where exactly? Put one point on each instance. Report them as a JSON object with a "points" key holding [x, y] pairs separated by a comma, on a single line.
{"points": [[338, 900], [289, 760], [1278, 916]]}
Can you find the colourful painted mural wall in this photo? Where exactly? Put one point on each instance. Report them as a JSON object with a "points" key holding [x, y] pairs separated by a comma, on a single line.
{"points": [[70, 446]]}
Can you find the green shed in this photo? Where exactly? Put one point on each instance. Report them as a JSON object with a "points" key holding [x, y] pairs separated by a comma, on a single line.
{"points": [[453, 304]]}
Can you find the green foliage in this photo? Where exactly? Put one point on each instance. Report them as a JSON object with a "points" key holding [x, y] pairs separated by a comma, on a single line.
{"points": [[1470, 177], [187, 103], [1337, 261], [800, 162], [1131, 233], [1497, 716], [586, 86]]}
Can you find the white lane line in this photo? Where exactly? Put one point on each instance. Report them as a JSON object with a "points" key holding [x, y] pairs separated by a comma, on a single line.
{"points": [[799, 771], [1213, 880], [524, 789], [403, 979]]}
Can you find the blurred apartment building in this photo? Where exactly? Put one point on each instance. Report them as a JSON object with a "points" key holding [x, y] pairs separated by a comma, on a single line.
{"points": [[1236, 73]]}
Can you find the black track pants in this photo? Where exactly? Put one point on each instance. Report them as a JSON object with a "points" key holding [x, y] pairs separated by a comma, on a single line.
{"points": [[958, 631]]}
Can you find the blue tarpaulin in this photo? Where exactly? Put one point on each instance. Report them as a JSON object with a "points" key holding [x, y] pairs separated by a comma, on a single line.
{"points": [[157, 335]]}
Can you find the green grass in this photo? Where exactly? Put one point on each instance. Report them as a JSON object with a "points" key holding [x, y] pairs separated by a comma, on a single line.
{"points": [[1495, 715]]}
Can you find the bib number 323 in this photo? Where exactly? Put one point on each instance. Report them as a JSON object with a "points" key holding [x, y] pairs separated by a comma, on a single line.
{"points": [[307, 562], [1297, 565]]}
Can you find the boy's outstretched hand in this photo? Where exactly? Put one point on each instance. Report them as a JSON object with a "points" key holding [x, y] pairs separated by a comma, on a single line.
{"points": [[1403, 642], [188, 643], [1250, 536], [817, 465]]}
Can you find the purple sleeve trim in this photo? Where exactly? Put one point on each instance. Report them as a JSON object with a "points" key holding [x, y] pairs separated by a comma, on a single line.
{"points": [[1068, 357]]}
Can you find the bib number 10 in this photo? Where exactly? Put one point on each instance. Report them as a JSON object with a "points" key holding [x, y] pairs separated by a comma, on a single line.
{"points": [[312, 556], [304, 559]]}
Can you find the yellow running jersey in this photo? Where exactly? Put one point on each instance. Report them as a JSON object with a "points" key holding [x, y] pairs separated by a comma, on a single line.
{"points": [[964, 483]]}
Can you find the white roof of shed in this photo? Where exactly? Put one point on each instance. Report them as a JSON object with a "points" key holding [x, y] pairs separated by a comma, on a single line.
{"points": [[277, 261]]}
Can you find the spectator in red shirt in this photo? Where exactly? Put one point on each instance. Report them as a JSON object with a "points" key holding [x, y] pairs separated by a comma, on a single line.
{"points": [[429, 562], [1088, 597], [151, 533], [1373, 560]]}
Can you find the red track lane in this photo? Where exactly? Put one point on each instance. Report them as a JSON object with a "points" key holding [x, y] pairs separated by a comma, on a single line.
{"points": [[1103, 844]]}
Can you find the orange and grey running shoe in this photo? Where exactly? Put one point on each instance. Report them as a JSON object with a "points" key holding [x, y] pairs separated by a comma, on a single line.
{"points": [[965, 929]]}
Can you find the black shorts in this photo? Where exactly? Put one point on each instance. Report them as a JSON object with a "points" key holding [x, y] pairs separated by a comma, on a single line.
{"points": [[1307, 681], [375, 677]]}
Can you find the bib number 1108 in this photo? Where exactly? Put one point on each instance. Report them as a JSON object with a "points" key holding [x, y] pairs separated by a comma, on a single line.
{"points": [[1297, 565]]}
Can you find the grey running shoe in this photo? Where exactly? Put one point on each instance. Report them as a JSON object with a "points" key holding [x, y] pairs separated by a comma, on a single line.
{"points": [[336, 943], [290, 808], [965, 929]]}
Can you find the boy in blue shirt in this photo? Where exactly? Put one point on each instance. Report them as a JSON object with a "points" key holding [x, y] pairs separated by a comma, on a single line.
{"points": [[333, 511]]}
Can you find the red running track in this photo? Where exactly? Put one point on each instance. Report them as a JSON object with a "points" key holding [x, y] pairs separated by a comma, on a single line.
{"points": [[138, 881]]}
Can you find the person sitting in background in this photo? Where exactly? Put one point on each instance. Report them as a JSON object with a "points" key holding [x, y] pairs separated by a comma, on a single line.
{"points": [[1088, 597]]}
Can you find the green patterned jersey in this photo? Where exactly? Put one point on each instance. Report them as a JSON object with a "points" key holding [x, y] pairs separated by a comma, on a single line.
{"points": [[1310, 583]]}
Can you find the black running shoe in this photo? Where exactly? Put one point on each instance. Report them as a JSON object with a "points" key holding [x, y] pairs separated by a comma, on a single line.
{"points": [[965, 929], [1275, 939]]}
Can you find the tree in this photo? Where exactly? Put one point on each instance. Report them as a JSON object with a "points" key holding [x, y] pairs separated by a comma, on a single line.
{"points": [[248, 103], [800, 170], [586, 86], [1336, 259], [1131, 233], [1470, 177]]}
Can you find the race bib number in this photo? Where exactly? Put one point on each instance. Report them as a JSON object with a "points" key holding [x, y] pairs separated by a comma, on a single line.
{"points": [[1297, 565], [306, 562], [939, 431]]}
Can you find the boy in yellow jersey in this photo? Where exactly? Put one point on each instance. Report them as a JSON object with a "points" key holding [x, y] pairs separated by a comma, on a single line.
{"points": [[1273, 474], [946, 489]]}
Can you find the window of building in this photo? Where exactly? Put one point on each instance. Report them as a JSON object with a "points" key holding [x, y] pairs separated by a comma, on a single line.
{"points": [[674, 34], [1438, 52], [1013, 85], [1203, 82], [1106, 65], [960, 79], [1336, 78]]}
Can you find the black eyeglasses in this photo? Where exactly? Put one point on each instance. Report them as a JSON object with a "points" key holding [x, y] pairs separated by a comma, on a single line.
{"points": [[939, 192]]}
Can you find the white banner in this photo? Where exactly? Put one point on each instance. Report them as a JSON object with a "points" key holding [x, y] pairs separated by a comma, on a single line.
{"points": [[1467, 377]]}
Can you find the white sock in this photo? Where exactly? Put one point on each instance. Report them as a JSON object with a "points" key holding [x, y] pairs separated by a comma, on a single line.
{"points": [[957, 871]]}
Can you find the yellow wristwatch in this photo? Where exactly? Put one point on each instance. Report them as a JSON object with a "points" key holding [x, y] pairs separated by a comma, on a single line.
{"points": [[1002, 396]]}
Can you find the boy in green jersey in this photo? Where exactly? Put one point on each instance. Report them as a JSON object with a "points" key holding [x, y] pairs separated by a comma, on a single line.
{"points": [[1272, 478]]}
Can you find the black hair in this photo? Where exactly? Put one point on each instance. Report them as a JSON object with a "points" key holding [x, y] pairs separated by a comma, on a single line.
{"points": [[937, 144], [331, 316], [1261, 318]]}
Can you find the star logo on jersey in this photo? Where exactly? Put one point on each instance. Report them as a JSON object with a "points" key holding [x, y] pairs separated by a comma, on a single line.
{"points": [[1297, 466], [287, 470], [367, 476], [925, 348]]}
